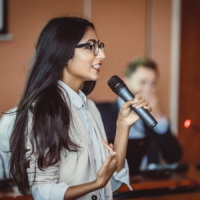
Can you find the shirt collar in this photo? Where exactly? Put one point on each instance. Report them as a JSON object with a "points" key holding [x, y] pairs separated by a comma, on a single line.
{"points": [[76, 99]]}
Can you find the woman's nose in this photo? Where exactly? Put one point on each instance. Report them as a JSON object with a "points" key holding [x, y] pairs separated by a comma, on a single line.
{"points": [[101, 54]]}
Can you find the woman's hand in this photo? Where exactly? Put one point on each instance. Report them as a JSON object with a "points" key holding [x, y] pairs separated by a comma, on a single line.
{"points": [[108, 167], [126, 115], [103, 176]]}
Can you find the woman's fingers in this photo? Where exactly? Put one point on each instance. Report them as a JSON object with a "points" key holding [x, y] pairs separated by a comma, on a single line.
{"points": [[143, 103], [127, 105], [109, 164], [147, 107], [112, 155], [134, 102], [108, 161], [109, 147], [107, 169], [126, 115], [137, 102]]}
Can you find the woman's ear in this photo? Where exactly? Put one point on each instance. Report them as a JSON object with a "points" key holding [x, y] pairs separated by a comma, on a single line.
{"points": [[69, 62]]}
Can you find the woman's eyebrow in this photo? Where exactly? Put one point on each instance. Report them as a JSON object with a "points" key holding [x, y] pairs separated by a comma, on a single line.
{"points": [[92, 40]]}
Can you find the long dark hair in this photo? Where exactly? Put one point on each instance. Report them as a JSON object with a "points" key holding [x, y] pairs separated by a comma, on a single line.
{"points": [[44, 99]]}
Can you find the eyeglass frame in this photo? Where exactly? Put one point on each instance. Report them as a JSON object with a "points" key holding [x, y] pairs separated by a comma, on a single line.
{"points": [[100, 45]]}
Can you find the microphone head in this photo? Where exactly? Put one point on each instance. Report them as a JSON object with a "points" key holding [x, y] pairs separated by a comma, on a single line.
{"points": [[116, 83]]}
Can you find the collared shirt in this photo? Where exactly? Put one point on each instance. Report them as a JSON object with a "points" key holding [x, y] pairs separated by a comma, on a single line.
{"points": [[78, 100]]}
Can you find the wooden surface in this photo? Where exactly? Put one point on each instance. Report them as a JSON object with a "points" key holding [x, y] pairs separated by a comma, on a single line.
{"points": [[189, 180], [149, 188], [185, 196], [146, 184], [15, 198], [12, 194]]}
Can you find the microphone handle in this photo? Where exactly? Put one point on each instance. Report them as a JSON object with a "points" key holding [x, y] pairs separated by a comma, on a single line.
{"points": [[144, 114]]}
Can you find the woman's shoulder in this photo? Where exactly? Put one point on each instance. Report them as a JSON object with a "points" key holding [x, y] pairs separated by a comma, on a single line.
{"points": [[91, 103], [92, 106]]}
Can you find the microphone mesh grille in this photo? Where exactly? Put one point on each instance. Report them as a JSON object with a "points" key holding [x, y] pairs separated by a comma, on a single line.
{"points": [[114, 81]]}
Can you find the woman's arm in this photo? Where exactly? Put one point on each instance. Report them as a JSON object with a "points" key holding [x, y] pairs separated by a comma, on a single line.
{"points": [[74, 192], [125, 119], [120, 143], [52, 191], [104, 174]]}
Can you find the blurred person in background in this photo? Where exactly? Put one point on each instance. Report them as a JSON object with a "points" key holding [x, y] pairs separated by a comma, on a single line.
{"points": [[145, 146]]}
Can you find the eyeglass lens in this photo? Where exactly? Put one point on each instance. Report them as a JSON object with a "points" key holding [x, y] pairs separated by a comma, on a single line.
{"points": [[98, 46]]}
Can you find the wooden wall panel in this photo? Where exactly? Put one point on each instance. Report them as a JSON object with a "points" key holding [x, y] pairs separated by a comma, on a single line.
{"points": [[121, 25], [189, 100], [25, 21]]}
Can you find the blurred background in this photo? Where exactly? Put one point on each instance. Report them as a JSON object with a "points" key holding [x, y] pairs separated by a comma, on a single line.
{"points": [[168, 31]]}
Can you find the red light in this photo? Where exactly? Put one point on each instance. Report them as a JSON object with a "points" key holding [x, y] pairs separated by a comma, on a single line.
{"points": [[187, 123]]}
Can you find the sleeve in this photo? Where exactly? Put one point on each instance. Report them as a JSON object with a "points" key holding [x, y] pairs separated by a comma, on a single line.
{"points": [[121, 177], [49, 191]]}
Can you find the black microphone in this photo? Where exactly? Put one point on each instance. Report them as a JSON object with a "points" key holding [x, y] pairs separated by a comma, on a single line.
{"points": [[119, 87]]}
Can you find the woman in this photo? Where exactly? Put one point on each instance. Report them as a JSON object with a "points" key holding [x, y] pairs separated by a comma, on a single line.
{"points": [[57, 148]]}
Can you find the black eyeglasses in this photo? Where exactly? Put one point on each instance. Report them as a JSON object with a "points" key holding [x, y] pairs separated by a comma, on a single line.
{"points": [[92, 45]]}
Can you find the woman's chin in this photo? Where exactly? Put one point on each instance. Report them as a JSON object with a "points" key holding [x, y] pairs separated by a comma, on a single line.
{"points": [[93, 77]]}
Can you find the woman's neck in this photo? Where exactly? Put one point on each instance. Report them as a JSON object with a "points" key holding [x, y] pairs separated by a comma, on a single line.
{"points": [[73, 84]]}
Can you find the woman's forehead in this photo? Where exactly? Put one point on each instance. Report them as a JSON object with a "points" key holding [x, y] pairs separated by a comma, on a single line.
{"points": [[90, 34]]}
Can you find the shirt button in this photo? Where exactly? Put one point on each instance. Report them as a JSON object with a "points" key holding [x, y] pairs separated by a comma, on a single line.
{"points": [[94, 197]]}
